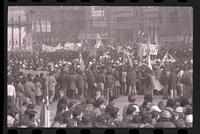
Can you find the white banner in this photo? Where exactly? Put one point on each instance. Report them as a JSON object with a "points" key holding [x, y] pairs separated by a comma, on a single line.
{"points": [[153, 49], [50, 48], [72, 46]]}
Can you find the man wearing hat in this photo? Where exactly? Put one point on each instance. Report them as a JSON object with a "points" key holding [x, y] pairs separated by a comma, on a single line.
{"points": [[165, 120], [99, 105]]}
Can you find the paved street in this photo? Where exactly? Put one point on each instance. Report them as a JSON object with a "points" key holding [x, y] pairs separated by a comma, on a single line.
{"points": [[123, 100]]}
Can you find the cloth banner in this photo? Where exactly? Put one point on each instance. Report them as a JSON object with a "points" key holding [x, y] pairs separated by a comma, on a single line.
{"points": [[72, 46], [50, 48], [155, 83], [143, 48]]}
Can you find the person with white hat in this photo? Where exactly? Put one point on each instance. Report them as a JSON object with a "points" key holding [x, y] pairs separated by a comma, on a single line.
{"points": [[189, 121]]}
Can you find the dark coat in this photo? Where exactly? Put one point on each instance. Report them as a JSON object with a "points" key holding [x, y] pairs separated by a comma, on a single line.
{"points": [[132, 77], [80, 81], [172, 80], [109, 81], [72, 82]]}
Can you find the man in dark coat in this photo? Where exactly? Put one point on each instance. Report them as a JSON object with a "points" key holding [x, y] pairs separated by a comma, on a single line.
{"points": [[109, 85], [72, 84], [90, 84], [132, 77], [164, 81], [172, 83], [62, 81], [81, 84], [187, 80]]}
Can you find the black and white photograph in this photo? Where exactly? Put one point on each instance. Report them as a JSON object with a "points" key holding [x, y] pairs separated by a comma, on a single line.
{"points": [[99, 67]]}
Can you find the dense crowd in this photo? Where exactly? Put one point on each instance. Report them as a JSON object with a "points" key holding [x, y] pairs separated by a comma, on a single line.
{"points": [[87, 98]]}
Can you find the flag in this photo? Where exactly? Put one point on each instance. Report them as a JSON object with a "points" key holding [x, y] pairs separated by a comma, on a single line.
{"points": [[82, 66], [98, 41], [148, 54], [167, 58]]}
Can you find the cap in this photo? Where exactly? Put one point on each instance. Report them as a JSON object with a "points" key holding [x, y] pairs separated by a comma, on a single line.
{"points": [[155, 108]]}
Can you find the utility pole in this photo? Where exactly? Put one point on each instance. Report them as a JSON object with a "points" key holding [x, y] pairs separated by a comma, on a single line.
{"points": [[19, 33], [46, 30], [12, 27]]}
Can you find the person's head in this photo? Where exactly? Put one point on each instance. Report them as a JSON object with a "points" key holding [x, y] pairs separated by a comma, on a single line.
{"points": [[165, 114], [184, 101], [114, 113], [137, 119], [188, 110], [161, 105], [147, 104], [32, 115], [131, 99], [26, 101], [62, 107], [148, 97], [100, 103], [89, 101], [86, 119], [130, 110], [12, 111], [171, 103], [41, 75], [103, 118], [98, 92], [30, 106], [67, 116], [113, 100], [77, 113], [180, 111], [61, 93]]}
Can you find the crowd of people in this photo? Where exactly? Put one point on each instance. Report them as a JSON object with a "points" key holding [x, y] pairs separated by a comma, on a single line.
{"points": [[87, 97]]}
